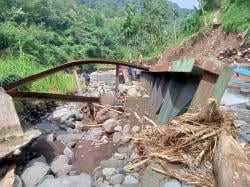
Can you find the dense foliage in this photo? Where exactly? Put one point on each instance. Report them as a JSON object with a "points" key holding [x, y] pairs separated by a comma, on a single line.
{"points": [[234, 16]]}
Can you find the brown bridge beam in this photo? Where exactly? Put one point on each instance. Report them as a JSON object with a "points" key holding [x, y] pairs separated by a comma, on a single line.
{"points": [[43, 74], [49, 96]]}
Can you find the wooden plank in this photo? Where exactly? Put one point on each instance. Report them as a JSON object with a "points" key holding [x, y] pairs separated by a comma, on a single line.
{"points": [[231, 165]]}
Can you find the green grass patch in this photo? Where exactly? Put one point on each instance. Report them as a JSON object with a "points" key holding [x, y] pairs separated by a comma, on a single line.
{"points": [[57, 83]]}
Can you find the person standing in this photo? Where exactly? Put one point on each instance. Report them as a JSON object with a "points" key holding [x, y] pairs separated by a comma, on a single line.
{"points": [[130, 73]]}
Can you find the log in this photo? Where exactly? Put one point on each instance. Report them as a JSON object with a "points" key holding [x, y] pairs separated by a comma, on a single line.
{"points": [[231, 165]]}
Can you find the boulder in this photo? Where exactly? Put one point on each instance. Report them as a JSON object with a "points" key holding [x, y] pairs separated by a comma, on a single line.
{"points": [[136, 129], [126, 138], [132, 92], [116, 179], [60, 166], [83, 180], [62, 114], [105, 114], [171, 183], [130, 179], [35, 171], [117, 137], [126, 129], [109, 99], [67, 152], [108, 172], [110, 125]]}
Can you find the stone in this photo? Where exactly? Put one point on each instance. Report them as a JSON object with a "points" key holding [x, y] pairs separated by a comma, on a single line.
{"points": [[151, 177], [126, 138], [172, 183], [83, 180], [109, 99], [123, 150], [60, 166], [127, 115], [248, 106], [116, 179], [130, 179], [99, 181], [132, 92], [108, 172], [126, 129], [136, 129], [17, 182], [110, 125], [239, 123], [118, 128], [104, 140], [50, 137], [117, 137], [69, 137], [118, 156], [67, 151], [72, 173], [131, 185], [112, 163], [35, 171], [105, 114], [62, 114]]}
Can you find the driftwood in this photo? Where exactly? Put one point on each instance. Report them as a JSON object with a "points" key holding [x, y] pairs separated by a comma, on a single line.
{"points": [[108, 107], [189, 140]]}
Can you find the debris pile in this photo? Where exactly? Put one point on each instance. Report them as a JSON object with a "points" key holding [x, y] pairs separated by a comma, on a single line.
{"points": [[236, 56], [189, 140]]}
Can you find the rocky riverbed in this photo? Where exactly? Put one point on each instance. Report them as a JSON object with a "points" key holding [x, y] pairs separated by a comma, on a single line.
{"points": [[89, 146]]}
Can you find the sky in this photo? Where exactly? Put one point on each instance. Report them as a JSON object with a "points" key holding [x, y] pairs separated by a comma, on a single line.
{"points": [[186, 3]]}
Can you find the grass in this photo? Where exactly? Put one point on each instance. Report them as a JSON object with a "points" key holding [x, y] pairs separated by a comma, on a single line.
{"points": [[56, 83], [236, 16]]}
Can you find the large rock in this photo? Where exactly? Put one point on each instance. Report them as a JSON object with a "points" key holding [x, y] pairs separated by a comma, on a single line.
{"points": [[34, 172], [130, 179], [117, 137], [110, 125], [116, 179], [83, 180], [109, 99], [62, 115], [132, 92], [171, 183], [105, 114], [60, 166], [108, 172]]}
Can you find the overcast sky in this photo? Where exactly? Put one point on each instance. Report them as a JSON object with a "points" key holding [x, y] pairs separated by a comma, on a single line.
{"points": [[186, 3]]}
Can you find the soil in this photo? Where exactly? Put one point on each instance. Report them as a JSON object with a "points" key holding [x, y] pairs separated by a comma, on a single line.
{"points": [[211, 43]]}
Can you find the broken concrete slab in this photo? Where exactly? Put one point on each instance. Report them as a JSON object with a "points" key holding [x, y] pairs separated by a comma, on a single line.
{"points": [[12, 136]]}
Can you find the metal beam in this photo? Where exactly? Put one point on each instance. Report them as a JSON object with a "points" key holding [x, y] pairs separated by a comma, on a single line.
{"points": [[49, 96], [48, 72]]}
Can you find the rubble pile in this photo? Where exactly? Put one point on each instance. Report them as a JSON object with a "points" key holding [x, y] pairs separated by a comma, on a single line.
{"points": [[189, 140], [236, 56]]}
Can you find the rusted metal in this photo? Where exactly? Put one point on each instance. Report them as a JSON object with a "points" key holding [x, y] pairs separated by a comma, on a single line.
{"points": [[203, 91], [48, 72], [49, 96], [117, 78]]}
